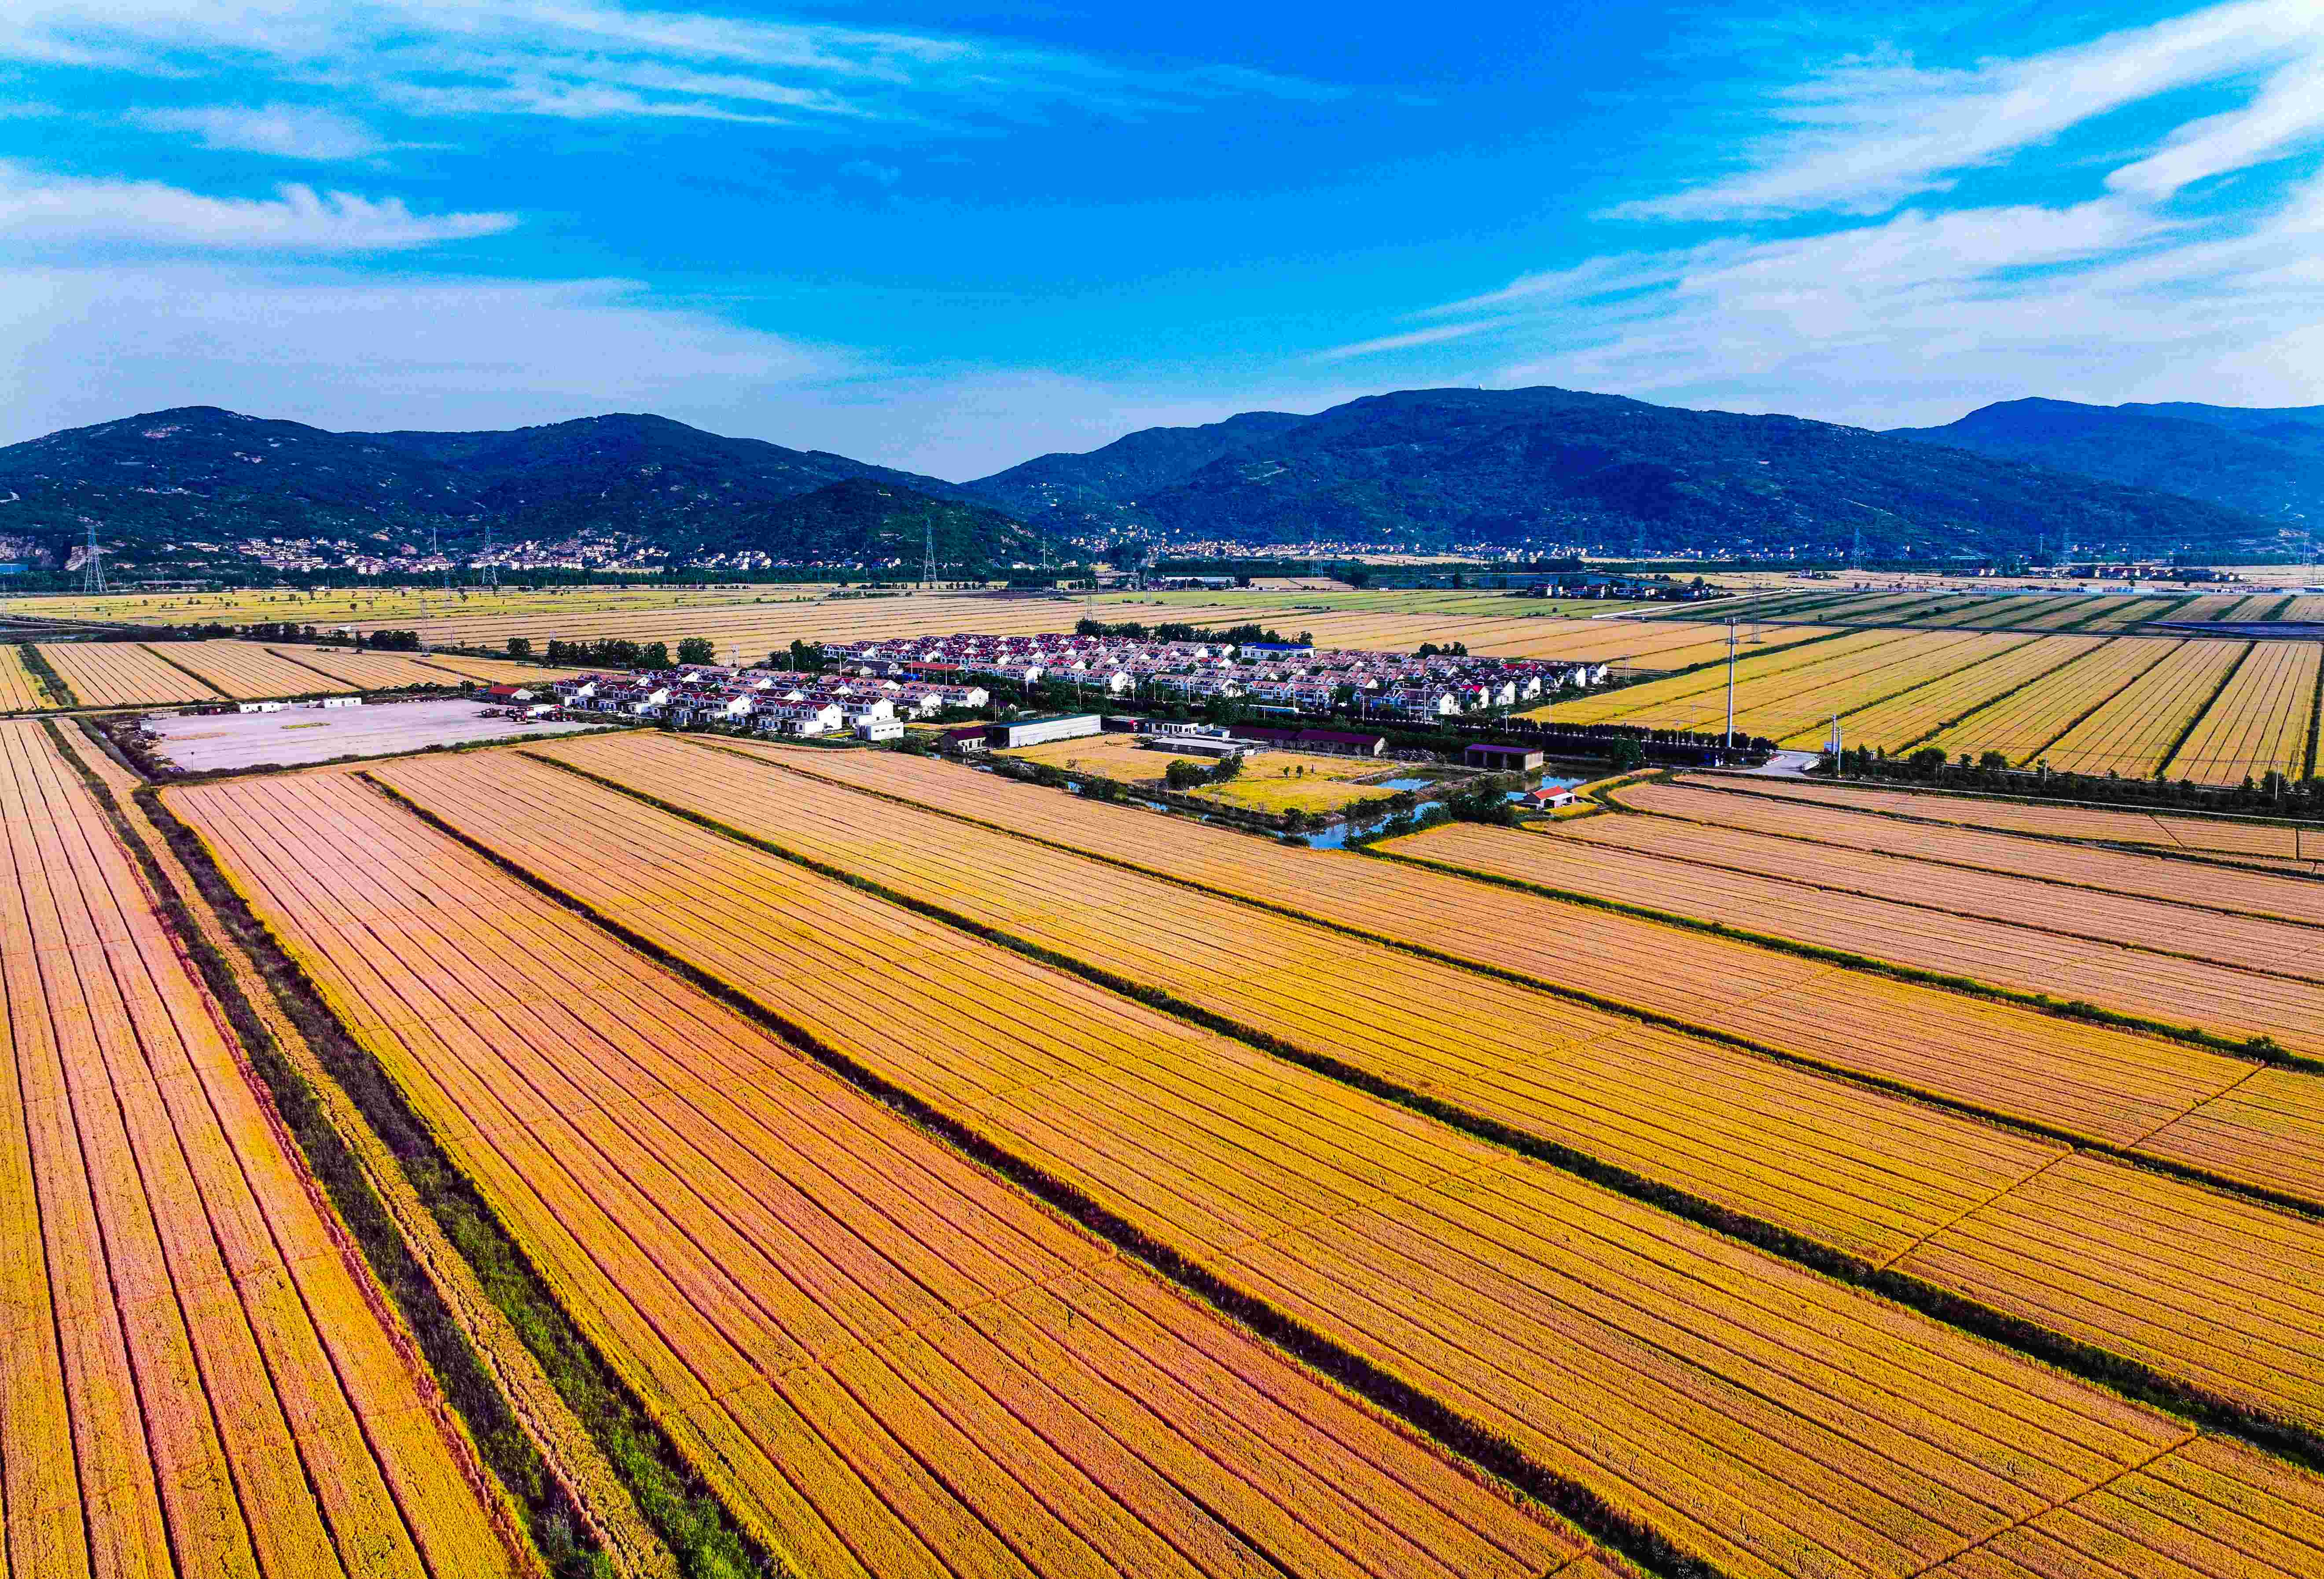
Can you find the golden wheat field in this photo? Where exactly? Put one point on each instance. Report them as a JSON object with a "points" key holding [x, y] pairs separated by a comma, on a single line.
{"points": [[1757, 806], [20, 692], [198, 1381], [246, 671], [1865, 1173], [1905, 717], [2021, 723], [2025, 957], [2259, 723], [885, 1360], [2135, 731], [123, 673], [2293, 845], [2080, 1079], [1506, 1298]]}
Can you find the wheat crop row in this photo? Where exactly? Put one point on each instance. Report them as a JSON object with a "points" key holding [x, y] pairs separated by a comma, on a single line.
{"points": [[886, 1360], [198, 1381], [2259, 723], [1759, 1416]]}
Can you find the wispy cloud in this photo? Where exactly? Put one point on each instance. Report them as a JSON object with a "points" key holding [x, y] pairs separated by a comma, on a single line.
{"points": [[1871, 132], [1860, 310], [592, 59], [286, 131], [38, 208]]}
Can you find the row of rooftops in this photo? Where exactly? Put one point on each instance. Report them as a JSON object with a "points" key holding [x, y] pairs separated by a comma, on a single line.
{"points": [[1301, 679]]}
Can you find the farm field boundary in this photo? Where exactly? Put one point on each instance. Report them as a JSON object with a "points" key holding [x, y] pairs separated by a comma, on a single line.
{"points": [[1454, 1100]]}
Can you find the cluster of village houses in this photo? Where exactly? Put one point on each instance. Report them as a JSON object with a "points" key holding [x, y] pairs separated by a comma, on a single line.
{"points": [[872, 687]]}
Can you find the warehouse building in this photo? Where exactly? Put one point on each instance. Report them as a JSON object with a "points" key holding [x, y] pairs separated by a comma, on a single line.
{"points": [[1040, 732], [1503, 759]]}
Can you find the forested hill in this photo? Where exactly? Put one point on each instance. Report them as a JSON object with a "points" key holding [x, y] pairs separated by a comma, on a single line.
{"points": [[2270, 462], [1605, 471], [180, 488]]}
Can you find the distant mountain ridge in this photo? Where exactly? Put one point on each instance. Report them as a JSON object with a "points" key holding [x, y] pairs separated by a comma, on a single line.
{"points": [[2268, 462], [176, 491], [1603, 471], [177, 487]]}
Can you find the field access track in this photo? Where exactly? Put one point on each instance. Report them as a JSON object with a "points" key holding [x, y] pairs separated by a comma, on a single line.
{"points": [[1757, 1415], [198, 1379], [1874, 1176], [884, 1359]]}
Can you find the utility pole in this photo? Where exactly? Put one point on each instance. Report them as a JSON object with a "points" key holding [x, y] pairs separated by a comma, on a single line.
{"points": [[92, 566], [1729, 742]]}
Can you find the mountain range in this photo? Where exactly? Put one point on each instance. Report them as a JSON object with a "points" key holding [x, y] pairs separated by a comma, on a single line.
{"points": [[2267, 460], [202, 491], [1603, 471], [185, 488]]}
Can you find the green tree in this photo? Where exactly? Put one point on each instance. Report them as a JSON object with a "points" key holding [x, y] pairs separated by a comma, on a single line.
{"points": [[697, 650], [654, 655], [519, 647]]}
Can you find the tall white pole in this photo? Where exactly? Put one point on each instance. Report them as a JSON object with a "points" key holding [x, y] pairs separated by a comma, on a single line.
{"points": [[1729, 742]]}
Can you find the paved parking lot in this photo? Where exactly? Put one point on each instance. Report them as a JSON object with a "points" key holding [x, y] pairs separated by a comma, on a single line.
{"points": [[204, 743]]}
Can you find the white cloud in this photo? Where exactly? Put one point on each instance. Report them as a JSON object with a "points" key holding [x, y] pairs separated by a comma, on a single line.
{"points": [[289, 131], [320, 344], [588, 59], [45, 209], [1906, 318], [345, 351], [1873, 132]]}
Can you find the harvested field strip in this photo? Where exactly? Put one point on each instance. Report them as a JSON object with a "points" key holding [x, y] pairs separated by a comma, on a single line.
{"points": [[2128, 612], [2222, 1002], [365, 671], [2164, 831], [2135, 731], [1727, 802], [2021, 724], [1757, 1415], [1859, 1171], [198, 1379], [1808, 666], [20, 692], [887, 1360], [2259, 723], [245, 670], [2238, 943], [1908, 714], [1845, 1168], [122, 673], [2077, 1079]]}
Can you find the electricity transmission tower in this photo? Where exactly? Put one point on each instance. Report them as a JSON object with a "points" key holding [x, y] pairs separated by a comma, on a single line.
{"points": [[92, 566], [929, 560]]}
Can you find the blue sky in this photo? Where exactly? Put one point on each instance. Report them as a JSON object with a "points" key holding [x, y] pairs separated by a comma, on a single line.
{"points": [[949, 239]]}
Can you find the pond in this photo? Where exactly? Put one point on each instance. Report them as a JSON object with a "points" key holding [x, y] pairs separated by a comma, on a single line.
{"points": [[1336, 838], [1404, 784]]}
